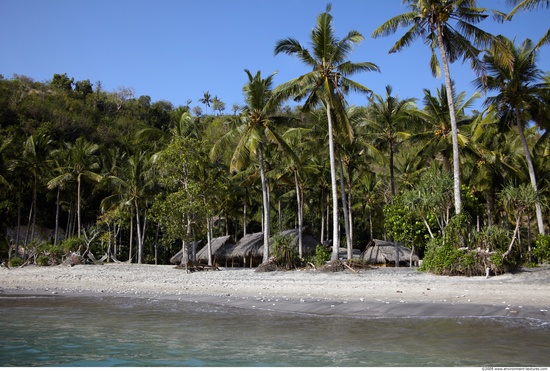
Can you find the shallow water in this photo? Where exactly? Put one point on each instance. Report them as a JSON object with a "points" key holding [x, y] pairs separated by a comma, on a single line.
{"points": [[85, 331]]}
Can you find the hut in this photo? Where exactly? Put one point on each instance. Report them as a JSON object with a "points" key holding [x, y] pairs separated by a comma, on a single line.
{"points": [[220, 248], [176, 259], [386, 254], [250, 249]]}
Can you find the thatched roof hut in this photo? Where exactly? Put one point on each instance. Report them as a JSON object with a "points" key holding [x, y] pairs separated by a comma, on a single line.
{"points": [[176, 259], [220, 248], [386, 253], [250, 248]]}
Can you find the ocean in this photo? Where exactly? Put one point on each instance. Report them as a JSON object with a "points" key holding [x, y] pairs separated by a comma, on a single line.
{"points": [[60, 331]]}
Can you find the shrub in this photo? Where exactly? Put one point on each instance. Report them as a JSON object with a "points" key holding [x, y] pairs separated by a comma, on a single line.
{"points": [[285, 254], [16, 262], [541, 251], [322, 255]]}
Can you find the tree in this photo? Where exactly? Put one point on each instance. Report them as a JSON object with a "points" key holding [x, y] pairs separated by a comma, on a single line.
{"points": [[83, 162], [206, 100], [254, 132], [530, 5], [387, 118], [327, 83], [518, 89], [447, 25]]}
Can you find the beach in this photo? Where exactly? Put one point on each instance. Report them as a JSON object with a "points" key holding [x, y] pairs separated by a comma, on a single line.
{"points": [[376, 292]]}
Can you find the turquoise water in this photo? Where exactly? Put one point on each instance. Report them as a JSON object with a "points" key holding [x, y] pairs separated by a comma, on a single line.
{"points": [[85, 331]]}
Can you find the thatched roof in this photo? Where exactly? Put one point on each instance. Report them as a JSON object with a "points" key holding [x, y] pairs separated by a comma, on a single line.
{"points": [[382, 252], [250, 244], [253, 244], [220, 247], [176, 259]]}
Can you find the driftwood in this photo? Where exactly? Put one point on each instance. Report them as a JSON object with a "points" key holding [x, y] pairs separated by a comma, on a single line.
{"points": [[191, 267]]}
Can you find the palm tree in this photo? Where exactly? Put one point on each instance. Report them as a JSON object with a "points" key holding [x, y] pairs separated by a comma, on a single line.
{"points": [[519, 88], [530, 5], [254, 133], [448, 25], [82, 163], [206, 100], [327, 83], [387, 118]]}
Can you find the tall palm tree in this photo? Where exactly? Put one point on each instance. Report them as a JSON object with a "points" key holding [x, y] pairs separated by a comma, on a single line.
{"points": [[327, 83], [387, 118], [82, 163], [254, 132], [447, 25], [206, 100], [519, 88]]}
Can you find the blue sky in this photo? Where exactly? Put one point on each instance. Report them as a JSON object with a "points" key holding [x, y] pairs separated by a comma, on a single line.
{"points": [[176, 50]]}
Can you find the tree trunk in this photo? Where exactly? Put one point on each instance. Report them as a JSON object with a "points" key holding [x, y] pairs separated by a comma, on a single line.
{"points": [[454, 127], [131, 237], [265, 198], [335, 242], [532, 175], [209, 238], [345, 207], [300, 216], [322, 215], [56, 217], [138, 225], [244, 211], [78, 205]]}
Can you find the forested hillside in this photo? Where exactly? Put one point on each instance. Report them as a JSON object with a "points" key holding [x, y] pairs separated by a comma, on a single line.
{"points": [[121, 176]]}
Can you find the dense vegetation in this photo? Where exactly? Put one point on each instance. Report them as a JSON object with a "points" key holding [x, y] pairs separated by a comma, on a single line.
{"points": [[118, 175]]}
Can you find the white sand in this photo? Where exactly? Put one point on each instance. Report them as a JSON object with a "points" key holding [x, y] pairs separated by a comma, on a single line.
{"points": [[376, 292]]}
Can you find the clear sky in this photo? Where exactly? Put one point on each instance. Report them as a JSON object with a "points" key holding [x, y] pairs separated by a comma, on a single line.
{"points": [[175, 50]]}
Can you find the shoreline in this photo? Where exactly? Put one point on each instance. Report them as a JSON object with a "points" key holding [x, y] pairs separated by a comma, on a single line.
{"points": [[374, 293]]}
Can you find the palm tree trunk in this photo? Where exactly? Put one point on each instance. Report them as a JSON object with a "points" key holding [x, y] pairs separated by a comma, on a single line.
{"points": [[454, 127], [345, 207], [267, 224], [138, 225], [300, 216], [532, 175], [322, 215], [335, 242], [209, 238], [244, 211], [78, 205], [56, 217]]}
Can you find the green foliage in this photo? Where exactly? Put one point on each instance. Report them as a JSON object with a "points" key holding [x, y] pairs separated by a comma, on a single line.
{"points": [[16, 262], [72, 244], [285, 252], [322, 255], [440, 258], [541, 251]]}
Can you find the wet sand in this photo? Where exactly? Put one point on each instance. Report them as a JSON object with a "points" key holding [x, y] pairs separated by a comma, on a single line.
{"points": [[377, 292]]}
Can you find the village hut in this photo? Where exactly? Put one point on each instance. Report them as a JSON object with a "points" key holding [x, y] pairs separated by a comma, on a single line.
{"points": [[220, 248], [176, 259], [386, 254], [249, 250]]}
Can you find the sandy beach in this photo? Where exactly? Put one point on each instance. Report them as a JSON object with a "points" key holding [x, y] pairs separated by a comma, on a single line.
{"points": [[377, 292]]}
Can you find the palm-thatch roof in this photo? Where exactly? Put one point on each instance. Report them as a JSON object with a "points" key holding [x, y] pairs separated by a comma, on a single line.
{"points": [[252, 245], [249, 245], [385, 252], [220, 247], [176, 259]]}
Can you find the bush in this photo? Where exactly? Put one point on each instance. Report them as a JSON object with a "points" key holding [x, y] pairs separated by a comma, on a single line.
{"points": [[322, 255], [541, 251], [285, 253], [16, 262]]}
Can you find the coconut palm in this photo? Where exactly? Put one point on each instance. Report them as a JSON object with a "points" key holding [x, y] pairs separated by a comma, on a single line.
{"points": [[447, 25], [254, 132], [327, 83], [387, 119], [519, 88], [82, 164]]}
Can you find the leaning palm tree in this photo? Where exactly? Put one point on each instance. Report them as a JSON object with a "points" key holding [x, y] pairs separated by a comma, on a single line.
{"points": [[519, 89], [254, 132], [327, 83], [447, 25]]}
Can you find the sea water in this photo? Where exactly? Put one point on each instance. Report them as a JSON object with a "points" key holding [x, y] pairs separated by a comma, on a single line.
{"points": [[86, 331]]}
